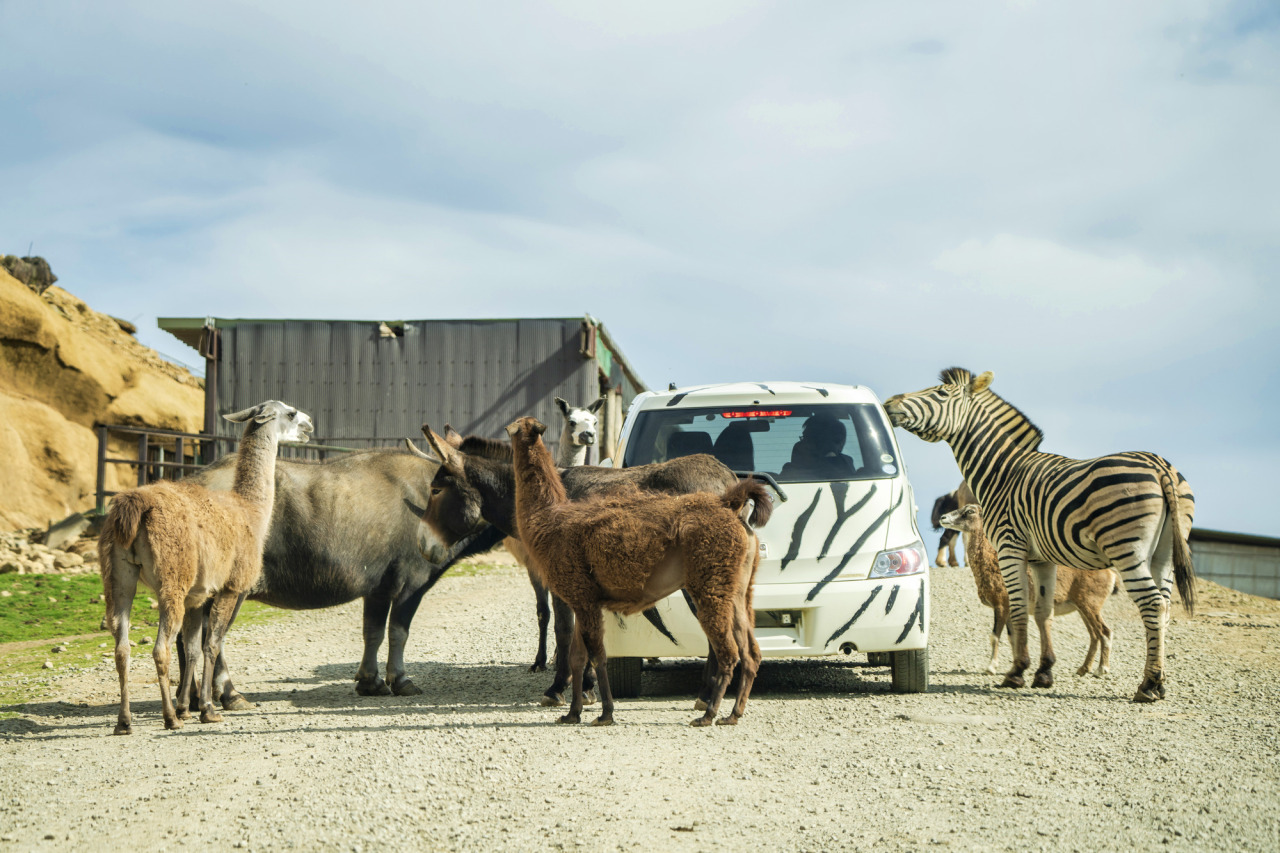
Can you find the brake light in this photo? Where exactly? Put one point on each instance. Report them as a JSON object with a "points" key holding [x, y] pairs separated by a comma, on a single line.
{"points": [[757, 413], [903, 561]]}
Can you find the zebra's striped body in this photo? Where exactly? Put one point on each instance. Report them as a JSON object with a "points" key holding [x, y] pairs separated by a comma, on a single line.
{"points": [[1129, 511]]}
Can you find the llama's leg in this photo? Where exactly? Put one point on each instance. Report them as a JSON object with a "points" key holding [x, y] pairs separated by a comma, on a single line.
{"points": [[542, 602], [744, 635], [124, 585], [220, 613], [1044, 575], [1104, 656], [1092, 619], [564, 628], [951, 548], [593, 640], [1013, 568], [172, 613], [377, 606], [188, 651], [999, 624], [718, 622], [231, 698], [577, 660]]}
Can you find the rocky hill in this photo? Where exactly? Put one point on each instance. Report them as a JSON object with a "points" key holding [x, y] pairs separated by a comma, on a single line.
{"points": [[64, 368]]}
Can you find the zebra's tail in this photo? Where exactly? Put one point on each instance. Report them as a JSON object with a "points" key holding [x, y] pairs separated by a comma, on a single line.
{"points": [[1183, 572]]}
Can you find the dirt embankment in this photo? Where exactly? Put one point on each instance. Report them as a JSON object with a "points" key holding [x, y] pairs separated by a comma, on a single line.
{"points": [[826, 758], [65, 368]]}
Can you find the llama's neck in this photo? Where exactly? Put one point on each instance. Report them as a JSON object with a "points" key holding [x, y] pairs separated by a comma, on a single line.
{"points": [[570, 455], [538, 483], [980, 554], [255, 479]]}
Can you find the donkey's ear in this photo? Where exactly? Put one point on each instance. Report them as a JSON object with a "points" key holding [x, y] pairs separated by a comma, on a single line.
{"points": [[595, 407], [563, 405], [982, 383], [452, 436], [450, 459], [413, 448]]}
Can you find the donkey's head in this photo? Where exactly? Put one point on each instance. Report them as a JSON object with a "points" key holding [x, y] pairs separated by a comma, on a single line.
{"points": [[454, 509], [938, 413], [581, 425]]}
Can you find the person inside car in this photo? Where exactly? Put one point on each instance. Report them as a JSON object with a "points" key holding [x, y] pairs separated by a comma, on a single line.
{"points": [[817, 455]]}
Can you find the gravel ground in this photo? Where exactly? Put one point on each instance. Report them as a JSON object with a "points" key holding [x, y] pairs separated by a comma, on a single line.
{"points": [[825, 758]]}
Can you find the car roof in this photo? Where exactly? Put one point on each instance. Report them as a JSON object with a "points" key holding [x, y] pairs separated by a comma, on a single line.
{"points": [[758, 394]]}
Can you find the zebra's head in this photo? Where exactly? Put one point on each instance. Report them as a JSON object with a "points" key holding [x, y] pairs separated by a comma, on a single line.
{"points": [[938, 413]]}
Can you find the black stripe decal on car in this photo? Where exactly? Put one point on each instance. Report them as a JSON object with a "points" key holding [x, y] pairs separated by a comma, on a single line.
{"points": [[655, 619], [893, 596], [844, 561], [841, 491], [688, 599], [856, 616], [916, 613], [797, 532]]}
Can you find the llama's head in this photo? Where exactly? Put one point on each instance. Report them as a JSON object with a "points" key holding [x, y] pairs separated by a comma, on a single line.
{"points": [[526, 431], [581, 424], [967, 519], [289, 423], [938, 413]]}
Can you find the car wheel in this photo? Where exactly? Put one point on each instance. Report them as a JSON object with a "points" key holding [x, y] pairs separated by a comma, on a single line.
{"points": [[878, 658], [910, 670], [624, 676]]}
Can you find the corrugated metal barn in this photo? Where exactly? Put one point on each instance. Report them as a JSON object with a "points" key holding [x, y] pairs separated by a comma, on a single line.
{"points": [[368, 383], [1237, 560]]}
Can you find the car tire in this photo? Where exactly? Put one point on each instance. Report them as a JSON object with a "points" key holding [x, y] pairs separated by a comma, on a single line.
{"points": [[624, 676], [878, 658], [910, 670]]}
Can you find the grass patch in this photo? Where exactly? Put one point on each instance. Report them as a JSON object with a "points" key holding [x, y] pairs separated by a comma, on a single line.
{"points": [[470, 568], [42, 612]]}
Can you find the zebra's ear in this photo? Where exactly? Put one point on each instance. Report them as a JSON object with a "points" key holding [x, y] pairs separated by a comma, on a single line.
{"points": [[982, 383]]}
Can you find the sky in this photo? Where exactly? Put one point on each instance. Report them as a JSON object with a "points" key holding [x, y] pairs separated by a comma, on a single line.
{"points": [[1083, 198]]}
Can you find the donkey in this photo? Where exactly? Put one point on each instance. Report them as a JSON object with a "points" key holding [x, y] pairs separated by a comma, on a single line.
{"points": [[476, 484], [960, 498], [627, 551]]}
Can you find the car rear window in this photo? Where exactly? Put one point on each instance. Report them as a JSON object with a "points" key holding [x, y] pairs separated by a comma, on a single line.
{"points": [[794, 443]]}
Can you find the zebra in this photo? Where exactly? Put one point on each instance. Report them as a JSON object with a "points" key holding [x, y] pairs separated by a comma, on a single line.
{"points": [[1128, 511]]}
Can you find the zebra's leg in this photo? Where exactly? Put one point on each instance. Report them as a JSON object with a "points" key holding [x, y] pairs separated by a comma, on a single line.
{"points": [[1044, 575], [1013, 568]]}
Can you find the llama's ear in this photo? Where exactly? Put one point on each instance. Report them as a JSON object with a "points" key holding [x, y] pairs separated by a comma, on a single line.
{"points": [[512, 429], [982, 383], [449, 458], [452, 436], [413, 448], [260, 413], [563, 405], [595, 407], [537, 426]]}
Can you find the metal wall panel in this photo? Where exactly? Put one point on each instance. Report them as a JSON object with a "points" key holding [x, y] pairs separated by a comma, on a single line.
{"points": [[476, 375], [1254, 569]]}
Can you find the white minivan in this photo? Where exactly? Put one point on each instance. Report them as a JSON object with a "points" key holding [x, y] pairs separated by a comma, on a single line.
{"points": [[843, 568]]}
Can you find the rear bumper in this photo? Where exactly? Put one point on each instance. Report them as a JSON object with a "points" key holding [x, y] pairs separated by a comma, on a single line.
{"points": [[871, 615]]}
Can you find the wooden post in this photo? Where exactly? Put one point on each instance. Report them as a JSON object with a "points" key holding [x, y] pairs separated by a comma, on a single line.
{"points": [[102, 468], [142, 459]]}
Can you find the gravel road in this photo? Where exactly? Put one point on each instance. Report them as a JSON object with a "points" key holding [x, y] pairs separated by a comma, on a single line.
{"points": [[825, 758]]}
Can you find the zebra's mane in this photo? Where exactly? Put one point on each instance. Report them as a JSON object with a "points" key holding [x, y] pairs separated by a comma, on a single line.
{"points": [[1034, 435]]}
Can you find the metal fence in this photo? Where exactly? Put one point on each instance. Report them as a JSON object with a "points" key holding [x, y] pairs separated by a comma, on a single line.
{"points": [[168, 455]]}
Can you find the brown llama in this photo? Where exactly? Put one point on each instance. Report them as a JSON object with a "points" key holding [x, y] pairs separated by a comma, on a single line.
{"points": [[1075, 590], [190, 544], [628, 551]]}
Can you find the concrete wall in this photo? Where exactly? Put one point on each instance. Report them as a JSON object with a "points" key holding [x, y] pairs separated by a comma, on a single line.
{"points": [[1250, 568]]}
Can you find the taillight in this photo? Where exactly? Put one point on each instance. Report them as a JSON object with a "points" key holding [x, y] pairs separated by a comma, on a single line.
{"points": [[903, 561]]}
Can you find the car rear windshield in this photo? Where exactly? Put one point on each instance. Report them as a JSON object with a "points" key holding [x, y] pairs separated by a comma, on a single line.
{"points": [[794, 443]]}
